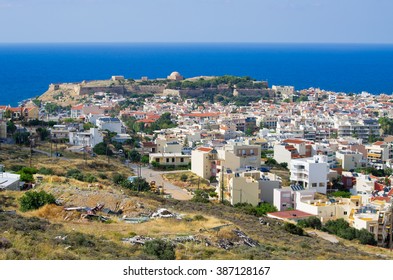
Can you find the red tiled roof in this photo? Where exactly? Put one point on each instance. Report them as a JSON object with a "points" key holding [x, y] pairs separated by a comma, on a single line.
{"points": [[148, 144], [378, 143], [203, 149], [381, 198], [146, 121], [15, 109], [294, 141], [77, 107]]}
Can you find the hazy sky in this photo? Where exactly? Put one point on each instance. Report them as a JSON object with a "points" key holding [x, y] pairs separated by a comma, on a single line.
{"points": [[334, 21]]}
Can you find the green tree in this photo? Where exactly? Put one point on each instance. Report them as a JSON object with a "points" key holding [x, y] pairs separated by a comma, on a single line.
{"points": [[134, 156], [32, 200], [200, 196], [11, 127], [43, 133], [102, 149], [21, 138], [386, 125], [145, 159], [160, 249]]}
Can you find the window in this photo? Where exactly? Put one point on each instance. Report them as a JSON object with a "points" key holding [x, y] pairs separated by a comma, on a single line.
{"points": [[167, 160], [157, 160], [182, 160], [345, 213], [371, 229], [321, 184], [173, 159], [314, 185]]}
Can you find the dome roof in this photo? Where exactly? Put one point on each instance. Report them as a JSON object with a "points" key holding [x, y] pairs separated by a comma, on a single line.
{"points": [[175, 73]]}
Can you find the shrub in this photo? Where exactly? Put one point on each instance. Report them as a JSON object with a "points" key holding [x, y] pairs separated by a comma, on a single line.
{"points": [[90, 178], [335, 226], [184, 177], [366, 237], [160, 249], [25, 177], [348, 233], [118, 178], [45, 171], [102, 176], [200, 196], [199, 218], [76, 174], [311, 222], [344, 194], [26, 174], [5, 243], [293, 229], [33, 200], [264, 208]]}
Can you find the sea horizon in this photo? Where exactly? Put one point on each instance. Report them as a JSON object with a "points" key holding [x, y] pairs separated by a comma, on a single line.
{"points": [[26, 69]]}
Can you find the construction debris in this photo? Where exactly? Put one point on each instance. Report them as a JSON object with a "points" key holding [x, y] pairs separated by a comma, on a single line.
{"points": [[8, 212], [184, 239], [225, 244], [247, 240], [135, 220], [164, 213], [137, 240]]}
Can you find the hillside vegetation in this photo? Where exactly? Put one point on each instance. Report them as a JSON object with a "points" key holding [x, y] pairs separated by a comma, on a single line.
{"points": [[195, 230]]}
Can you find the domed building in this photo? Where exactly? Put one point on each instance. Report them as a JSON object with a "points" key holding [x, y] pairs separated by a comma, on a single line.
{"points": [[175, 76]]}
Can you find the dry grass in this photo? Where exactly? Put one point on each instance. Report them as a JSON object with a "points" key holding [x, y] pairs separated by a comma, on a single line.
{"points": [[192, 182]]}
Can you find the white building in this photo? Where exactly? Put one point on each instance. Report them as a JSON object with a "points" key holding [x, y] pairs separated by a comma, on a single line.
{"points": [[111, 124], [350, 160], [311, 173], [9, 181], [87, 138]]}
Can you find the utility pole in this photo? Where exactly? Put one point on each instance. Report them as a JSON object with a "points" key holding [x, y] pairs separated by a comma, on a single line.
{"points": [[31, 150], [50, 153], [391, 227], [222, 184]]}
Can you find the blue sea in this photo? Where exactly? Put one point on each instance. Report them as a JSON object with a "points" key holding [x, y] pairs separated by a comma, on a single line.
{"points": [[26, 70]]}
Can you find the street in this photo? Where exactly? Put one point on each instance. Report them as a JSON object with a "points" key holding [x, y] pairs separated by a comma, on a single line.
{"points": [[151, 175]]}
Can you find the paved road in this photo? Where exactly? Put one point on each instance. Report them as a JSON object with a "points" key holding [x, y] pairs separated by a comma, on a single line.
{"points": [[151, 175]]}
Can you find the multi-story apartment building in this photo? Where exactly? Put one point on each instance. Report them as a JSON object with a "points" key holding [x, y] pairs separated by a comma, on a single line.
{"points": [[379, 153], [311, 173], [204, 162]]}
